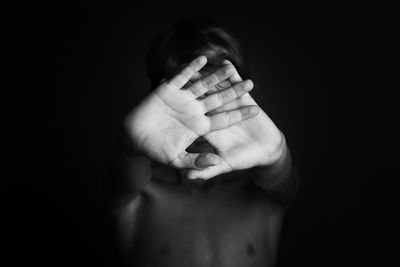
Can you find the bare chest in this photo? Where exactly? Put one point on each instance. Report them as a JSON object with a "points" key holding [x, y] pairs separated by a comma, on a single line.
{"points": [[229, 225]]}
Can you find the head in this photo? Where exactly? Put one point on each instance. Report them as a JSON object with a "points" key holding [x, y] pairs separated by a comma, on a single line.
{"points": [[186, 39]]}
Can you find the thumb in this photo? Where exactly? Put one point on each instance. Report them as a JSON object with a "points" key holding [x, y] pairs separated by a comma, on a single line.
{"points": [[198, 160], [209, 172]]}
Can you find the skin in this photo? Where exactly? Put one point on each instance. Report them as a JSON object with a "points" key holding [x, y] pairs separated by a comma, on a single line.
{"points": [[172, 117], [206, 125], [250, 143], [229, 223]]}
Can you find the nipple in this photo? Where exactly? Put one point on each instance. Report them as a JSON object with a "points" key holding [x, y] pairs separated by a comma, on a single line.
{"points": [[165, 250], [250, 250]]}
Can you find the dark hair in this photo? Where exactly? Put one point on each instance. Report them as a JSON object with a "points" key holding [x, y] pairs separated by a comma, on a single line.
{"points": [[186, 39]]}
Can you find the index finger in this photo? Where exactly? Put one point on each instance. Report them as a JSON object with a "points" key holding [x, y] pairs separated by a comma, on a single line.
{"points": [[186, 74]]}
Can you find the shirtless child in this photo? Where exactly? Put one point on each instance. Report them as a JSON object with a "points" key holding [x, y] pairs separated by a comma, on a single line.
{"points": [[203, 176]]}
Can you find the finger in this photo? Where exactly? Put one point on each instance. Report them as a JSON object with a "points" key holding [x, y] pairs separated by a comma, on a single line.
{"points": [[195, 76], [219, 87], [220, 98], [226, 119], [244, 100], [201, 86], [197, 160], [235, 77], [186, 73], [208, 173], [192, 79]]}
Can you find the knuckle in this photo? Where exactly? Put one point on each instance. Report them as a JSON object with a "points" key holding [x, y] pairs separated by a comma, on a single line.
{"points": [[187, 72], [243, 86], [223, 85], [206, 104], [228, 95], [203, 82], [175, 161], [209, 103], [245, 112], [208, 81], [227, 120], [220, 99], [224, 71]]}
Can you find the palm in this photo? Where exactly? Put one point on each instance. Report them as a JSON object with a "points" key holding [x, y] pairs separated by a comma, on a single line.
{"points": [[248, 143], [170, 118]]}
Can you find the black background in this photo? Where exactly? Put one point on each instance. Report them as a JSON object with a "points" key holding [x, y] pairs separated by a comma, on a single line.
{"points": [[84, 69]]}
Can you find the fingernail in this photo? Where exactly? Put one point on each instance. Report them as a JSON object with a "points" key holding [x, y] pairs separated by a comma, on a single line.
{"points": [[214, 159], [191, 177], [202, 59], [250, 83]]}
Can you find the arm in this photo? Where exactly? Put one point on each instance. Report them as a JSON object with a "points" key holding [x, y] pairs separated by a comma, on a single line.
{"points": [[168, 120], [130, 172], [255, 144], [279, 179]]}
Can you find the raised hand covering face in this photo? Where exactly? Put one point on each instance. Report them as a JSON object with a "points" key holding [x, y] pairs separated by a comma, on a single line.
{"points": [[249, 143], [173, 116]]}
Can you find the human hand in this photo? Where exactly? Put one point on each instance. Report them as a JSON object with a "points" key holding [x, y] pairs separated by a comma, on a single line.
{"points": [[172, 116], [249, 143]]}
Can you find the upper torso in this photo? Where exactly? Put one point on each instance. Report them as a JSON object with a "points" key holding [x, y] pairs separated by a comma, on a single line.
{"points": [[223, 222]]}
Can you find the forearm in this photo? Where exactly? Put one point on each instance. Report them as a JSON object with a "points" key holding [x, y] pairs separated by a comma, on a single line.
{"points": [[130, 172], [279, 180]]}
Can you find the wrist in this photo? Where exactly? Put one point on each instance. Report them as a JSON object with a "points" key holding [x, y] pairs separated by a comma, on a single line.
{"points": [[277, 155], [126, 140], [278, 164], [272, 175]]}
